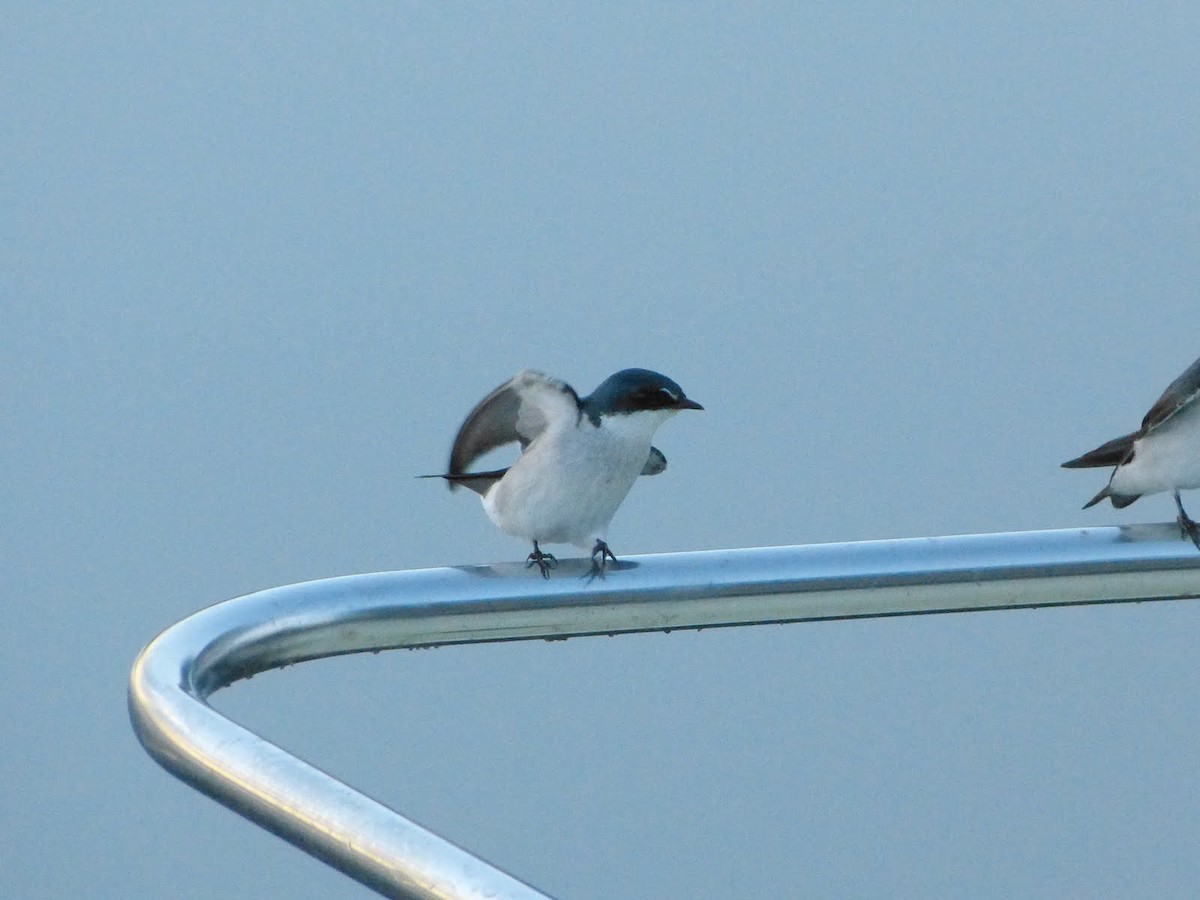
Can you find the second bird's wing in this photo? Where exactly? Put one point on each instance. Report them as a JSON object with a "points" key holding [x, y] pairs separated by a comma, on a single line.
{"points": [[518, 410], [1179, 393]]}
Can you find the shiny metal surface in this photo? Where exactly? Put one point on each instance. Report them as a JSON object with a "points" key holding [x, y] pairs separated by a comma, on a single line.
{"points": [[217, 646]]}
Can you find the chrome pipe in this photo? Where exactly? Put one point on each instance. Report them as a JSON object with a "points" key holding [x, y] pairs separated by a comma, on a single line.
{"points": [[176, 673]]}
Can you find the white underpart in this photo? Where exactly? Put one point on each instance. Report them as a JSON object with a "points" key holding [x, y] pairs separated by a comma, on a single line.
{"points": [[568, 483], [1167, 459]]}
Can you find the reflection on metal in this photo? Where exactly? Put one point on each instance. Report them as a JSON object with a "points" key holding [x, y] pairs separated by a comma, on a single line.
{"points": [[174, 675]]}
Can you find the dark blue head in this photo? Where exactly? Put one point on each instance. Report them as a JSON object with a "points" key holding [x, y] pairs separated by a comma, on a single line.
{"points": [[635, 390]]}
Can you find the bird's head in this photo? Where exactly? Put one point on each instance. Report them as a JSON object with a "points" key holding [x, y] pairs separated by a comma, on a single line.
{"points": [[633, 391]]}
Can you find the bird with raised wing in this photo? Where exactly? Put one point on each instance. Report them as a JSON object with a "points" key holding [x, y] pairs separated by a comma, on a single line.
{"points": [[579, 457], [1162, 455]]}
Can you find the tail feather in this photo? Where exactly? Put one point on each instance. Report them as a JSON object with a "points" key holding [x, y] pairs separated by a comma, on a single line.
{"points": [[1111, 453], [1120, 501]]}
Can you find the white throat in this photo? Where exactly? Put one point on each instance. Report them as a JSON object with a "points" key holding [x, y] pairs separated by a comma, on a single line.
{"points": [[636, 427]]}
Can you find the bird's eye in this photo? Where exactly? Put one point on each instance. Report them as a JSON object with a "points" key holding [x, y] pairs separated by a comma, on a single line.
{"points": [[671, 398]]}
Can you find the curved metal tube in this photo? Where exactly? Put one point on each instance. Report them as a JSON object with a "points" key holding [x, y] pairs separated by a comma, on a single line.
{"points": [[217, 646]]}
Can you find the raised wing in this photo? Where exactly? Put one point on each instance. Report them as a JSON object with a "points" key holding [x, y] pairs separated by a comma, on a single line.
{"points": [[1179, 393], [518, 410]]}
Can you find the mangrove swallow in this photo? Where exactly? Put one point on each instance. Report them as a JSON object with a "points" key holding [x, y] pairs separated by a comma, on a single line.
{"points": [[1162, 455], [578, 460]]}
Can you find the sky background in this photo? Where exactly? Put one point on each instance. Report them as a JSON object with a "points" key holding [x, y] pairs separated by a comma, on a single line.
{"points": [[257, 264]]}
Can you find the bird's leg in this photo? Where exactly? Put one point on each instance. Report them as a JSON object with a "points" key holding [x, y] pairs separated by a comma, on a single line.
{"points": [[1187, 526], [600, 550], [544, 561]]}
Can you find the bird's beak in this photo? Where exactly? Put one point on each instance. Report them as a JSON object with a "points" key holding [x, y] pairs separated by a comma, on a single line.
{"points": [[685, 403]]}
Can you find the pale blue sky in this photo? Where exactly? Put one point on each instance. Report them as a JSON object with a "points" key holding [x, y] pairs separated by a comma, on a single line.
{"points": [[257, 264]]}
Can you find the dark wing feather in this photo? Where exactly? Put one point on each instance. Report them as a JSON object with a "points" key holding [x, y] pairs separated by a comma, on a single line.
{"points": [[517, 410], [1111, 453], [479, 482], [655, 462], [1179, 393], [491, 424]]}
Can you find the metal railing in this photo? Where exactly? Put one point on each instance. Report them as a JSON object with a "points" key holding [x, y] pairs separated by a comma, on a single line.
{"points": [[217, 646]]}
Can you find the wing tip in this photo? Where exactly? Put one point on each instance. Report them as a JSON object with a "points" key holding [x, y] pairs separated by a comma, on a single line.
{"points": [[450, 483], [655, 463], [1111, 453]]}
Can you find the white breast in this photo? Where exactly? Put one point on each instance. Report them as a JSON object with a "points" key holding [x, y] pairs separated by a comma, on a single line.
{"points": [[1167, 459], [569, 482]]}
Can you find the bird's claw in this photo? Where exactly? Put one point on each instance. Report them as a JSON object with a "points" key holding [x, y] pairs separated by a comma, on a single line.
{"points": [[600, 557], [544, 561], [1189, 529]]}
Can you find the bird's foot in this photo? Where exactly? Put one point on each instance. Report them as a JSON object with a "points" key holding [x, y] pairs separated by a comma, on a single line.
{"points": [[600, 557], [1188, 529], [544, 561]]}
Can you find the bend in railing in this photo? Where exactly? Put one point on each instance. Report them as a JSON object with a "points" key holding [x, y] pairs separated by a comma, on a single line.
{"points": [[173, 677]]}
